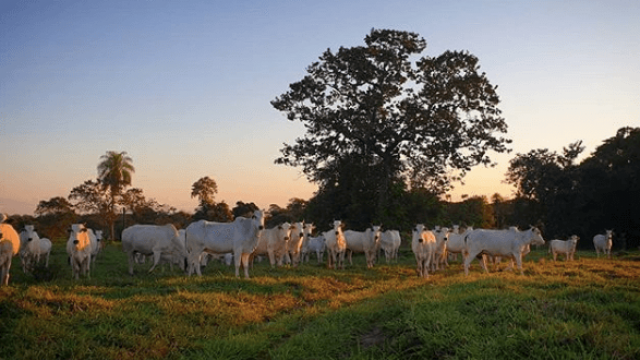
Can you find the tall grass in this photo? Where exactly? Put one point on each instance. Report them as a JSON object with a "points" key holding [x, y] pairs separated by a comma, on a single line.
{"points": [[586, 309]]}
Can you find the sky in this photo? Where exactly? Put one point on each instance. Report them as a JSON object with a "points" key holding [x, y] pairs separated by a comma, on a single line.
{"points": [[184, 87]]}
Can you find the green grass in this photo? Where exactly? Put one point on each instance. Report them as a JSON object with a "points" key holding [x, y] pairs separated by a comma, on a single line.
{"points": [[586, 309]]}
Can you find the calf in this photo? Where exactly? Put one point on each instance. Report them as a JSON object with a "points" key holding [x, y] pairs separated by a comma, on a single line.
{"points": [[603, 242], [568, 247], [390, 243]]}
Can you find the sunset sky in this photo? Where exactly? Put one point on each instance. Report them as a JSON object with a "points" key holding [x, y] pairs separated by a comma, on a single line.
{"points": [[184, 87]]}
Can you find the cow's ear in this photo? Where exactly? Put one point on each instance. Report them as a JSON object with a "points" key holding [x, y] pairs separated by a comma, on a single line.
{"points": [[279, 227]]}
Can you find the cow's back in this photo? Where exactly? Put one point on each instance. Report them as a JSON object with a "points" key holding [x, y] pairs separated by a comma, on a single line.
{"points": [[495, 241]]}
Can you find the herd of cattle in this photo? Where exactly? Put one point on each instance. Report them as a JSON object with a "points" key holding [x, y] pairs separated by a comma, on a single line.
{"points": [[244, 239]]}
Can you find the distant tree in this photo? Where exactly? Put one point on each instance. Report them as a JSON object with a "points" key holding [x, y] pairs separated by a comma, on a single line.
{"points": [[55, 216], [244, 209], [219, 212], [296, 208], [552, 180], [375, 117], [54, 206], [610, 188], [143, 210], [115, 172], [89, 197], [205, 190]]}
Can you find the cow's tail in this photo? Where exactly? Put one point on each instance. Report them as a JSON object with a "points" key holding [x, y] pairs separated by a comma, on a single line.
{"points": [[465, 248]]}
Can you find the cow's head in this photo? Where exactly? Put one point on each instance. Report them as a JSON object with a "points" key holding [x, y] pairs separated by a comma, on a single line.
{"points": [[536, 236], [417, 232], [78, 236], [258, 219]]}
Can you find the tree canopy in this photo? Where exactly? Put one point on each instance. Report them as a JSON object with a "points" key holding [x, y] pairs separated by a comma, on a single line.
{"points": [[388, 115]]}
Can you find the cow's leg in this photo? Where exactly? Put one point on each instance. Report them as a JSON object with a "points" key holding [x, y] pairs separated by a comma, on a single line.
{"points": [[245, 263], [272, 257], [156, 260], [237, 259], [468, 258], [518, 258], [88, 266]]}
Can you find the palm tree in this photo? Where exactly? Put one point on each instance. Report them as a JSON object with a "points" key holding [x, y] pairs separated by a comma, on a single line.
{"points": [[115, 172]]}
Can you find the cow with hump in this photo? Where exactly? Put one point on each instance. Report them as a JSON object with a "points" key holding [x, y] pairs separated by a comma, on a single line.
{"points": [[79, 250], [423, 245], [336, 245], [239, 237], [161, 241], [511, 244]]}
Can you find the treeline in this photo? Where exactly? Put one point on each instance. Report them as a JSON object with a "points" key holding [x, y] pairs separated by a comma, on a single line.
{"points": [[554, 193]]}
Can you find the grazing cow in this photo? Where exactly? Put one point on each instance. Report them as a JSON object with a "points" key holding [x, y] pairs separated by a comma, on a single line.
{"points": [[440, 257], [423, 245], [160, 241], [34, 249], [603, 242], [366, 242], [455, 243], [336, 246], [294, 245], [505, 243], [390, 243], [273, 242], [9, 247], [79, 250], [240, 237], [568, 247]]}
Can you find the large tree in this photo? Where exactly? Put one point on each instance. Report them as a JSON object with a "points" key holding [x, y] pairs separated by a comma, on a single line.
{"points": [[390, 116], [115, 172]]}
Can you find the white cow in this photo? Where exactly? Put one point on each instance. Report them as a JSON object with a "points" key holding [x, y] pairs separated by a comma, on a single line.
{"points": [[568, 247], [440, 257], [603, 242], [35, 248], [240, 237], [366, 242], [160, 241], [97, 245], [336, 246], [312, 244], [273, 242], [390, 243], [505, 243], [423, 245], [79, 250], [455, 242], [295, 243], [9, 247]]}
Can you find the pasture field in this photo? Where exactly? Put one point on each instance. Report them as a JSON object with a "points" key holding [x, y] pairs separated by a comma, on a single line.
{"points": [[586, 309]]}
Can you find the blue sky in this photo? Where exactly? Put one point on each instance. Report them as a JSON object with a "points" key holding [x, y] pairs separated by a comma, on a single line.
{"points": [[184, 86]]}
